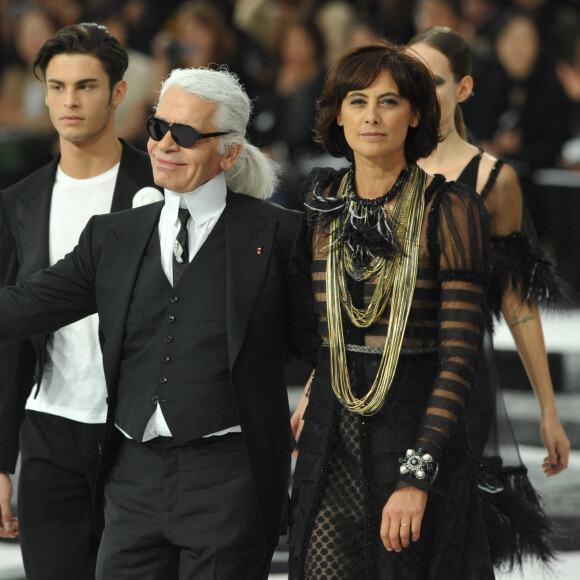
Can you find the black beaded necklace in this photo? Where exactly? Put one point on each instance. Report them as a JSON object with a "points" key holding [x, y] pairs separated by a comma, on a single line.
{"points": [[387, 197]]}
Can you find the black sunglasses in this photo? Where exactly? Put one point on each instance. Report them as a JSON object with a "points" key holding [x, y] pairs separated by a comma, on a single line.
{"points": [[184, 135]]}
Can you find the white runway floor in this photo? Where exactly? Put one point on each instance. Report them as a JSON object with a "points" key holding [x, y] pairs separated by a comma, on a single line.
{"points": [[566, 569]]}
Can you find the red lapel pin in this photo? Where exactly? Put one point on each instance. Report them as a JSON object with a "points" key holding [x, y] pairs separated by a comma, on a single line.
{"points": [[259, 251]]}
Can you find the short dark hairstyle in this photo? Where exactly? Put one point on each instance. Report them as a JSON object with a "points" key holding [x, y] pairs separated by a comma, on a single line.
{"points": [[85, 38], [357, 70]]}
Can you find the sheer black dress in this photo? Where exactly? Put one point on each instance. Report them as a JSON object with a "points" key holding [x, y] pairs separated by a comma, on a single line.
{"points": [[516, 523], [348, 464]]}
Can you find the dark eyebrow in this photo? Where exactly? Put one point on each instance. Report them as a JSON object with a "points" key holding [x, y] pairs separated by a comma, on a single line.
{"points": [[81, 82], [359, 94]]}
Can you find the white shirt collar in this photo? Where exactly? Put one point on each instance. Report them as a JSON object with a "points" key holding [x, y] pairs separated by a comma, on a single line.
{"points": [[203, 203]]}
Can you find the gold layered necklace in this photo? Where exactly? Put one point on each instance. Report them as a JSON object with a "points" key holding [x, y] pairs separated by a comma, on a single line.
{"points": [[395, 276]]}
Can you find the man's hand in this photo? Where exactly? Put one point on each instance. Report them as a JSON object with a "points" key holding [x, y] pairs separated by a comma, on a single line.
{"points": [[8, 524], [402, 516]]}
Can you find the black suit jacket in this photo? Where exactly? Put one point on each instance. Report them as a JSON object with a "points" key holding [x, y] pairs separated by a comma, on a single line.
{"points": [[269, 314], [24, 244]]}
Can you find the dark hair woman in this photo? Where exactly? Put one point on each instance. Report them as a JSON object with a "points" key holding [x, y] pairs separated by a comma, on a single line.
{"points": [[384, 484]]}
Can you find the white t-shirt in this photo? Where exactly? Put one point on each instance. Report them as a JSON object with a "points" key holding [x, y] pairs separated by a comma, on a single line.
{"points": [[73, 382]]}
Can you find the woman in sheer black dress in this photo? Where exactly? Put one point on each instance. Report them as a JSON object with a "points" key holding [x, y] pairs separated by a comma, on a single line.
{"points": [[521, 277], [384, 485]]}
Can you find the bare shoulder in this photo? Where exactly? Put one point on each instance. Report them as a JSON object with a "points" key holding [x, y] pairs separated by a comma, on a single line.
{"points": [[503, 197], [508, 177], [497, 176]]}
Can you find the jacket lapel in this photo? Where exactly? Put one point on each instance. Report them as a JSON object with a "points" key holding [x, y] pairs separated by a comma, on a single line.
{"points": [[33, 205], [249, 241], [134, 173], [32, 210], [124, 250]]}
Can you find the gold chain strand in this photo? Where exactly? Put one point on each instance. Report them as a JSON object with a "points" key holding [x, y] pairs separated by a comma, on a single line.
{"points": [[404, 269], [385, 269]]}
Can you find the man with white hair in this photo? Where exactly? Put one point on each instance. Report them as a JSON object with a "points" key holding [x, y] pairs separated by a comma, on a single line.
{"points": [[201, 298]]}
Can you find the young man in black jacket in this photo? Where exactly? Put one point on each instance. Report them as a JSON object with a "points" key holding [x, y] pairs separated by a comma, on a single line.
{"points": [[53, 385]]}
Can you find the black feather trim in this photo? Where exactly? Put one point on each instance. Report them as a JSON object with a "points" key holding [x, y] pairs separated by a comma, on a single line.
{"points": [[516, 263], [365, 230], [322, 182], [515, 521]]}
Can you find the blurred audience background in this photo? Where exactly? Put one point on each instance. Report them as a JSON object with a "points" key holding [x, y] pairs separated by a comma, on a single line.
{"points": [[526, 65]]}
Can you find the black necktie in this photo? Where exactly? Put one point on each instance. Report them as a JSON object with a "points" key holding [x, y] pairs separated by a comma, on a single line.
{"points": [[180, 253]]}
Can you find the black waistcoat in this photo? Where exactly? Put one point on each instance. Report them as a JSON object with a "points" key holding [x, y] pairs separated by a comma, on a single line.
{"points": [[175, 348]]}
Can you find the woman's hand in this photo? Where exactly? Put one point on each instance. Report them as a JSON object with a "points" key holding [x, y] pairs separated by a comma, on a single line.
{"points": [[402, 517], [296, 421], [557, 445]]}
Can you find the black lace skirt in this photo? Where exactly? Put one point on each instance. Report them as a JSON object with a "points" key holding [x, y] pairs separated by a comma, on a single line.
{"points": [[348, 467]]}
